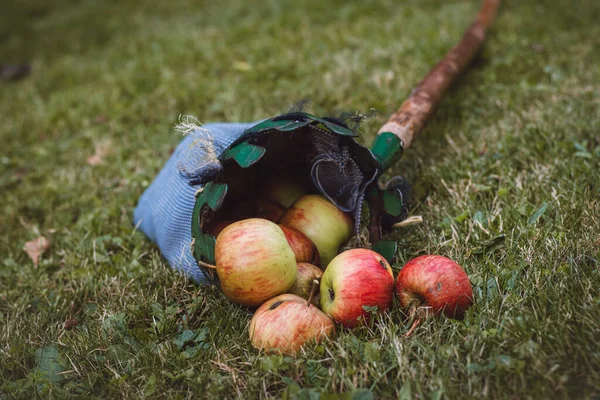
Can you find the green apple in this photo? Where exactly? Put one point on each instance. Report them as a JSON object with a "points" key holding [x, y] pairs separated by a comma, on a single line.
{"points": [[282, 188], [319, 219], [305, 276]]}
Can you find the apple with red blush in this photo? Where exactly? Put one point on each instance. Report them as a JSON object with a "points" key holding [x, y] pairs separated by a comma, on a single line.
{"points": [[355, 281], [433, 284], [269, 210], [285, 323], [254, 261], [304, 248]]}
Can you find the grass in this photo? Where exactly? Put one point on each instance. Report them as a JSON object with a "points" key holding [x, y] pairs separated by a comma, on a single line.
{"points": [[505, 176]]}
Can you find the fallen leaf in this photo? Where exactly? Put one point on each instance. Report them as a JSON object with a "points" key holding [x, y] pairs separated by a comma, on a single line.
{"points": [[35, 248], [71, 323], [21, 173], [102, 150], [483, 150], [50, 363], [537, 47], [94, 160], [242, 66], [536, 215], [14, 72], [101, 119]]}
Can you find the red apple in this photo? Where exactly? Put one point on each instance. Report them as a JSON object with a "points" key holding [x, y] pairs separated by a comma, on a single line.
{"points": [[254, 261], [319, 219], [353, 280], [305, 275], [432, 284], [304, 248], [269, 210], [285, 323]]}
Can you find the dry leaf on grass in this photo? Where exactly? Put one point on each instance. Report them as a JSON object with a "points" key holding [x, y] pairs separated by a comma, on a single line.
{"points": [[21, 173], [102, 150], [71, 323], [101, 119], [36, 247], [14, 72], [94, 160]]}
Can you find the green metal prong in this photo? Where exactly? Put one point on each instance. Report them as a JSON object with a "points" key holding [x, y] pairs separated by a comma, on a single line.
{"points": [[387, 249], [245, 154]]}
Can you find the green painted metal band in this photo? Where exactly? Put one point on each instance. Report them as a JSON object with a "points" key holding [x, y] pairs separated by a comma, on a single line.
{"points": [[297, 120], [196, 230], [387, 148], [203, 249]]}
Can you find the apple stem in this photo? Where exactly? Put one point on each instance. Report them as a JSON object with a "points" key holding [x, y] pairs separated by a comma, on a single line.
{"points": [[313, 291], [412, 328], [206, 265], [413, 307]]}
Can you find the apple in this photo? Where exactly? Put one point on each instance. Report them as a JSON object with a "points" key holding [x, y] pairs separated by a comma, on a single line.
{"points": [[304, 248], [353, 280], [434, 284], [305, 276], [319, 219], [285, 323], [269, 210], [254, 261], [282, 188]]}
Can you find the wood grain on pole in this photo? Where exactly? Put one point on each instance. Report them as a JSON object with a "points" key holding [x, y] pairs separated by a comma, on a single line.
{"points": [[414, 113]]}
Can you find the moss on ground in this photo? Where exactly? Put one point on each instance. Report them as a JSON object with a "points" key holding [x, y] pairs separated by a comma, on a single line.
{"points": [[506, 178]]}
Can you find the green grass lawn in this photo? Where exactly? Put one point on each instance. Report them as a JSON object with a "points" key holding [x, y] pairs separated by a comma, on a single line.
{"points": [[506, 177]]}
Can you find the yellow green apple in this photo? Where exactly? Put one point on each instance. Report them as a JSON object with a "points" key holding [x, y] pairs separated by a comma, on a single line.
{"points": [[319, 219]]}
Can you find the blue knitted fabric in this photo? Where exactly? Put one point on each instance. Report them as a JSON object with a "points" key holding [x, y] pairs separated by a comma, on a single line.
{"points": [[164, 212]]}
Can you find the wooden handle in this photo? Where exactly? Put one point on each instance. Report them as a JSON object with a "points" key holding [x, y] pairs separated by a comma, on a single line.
{"points": [[414, 113]]}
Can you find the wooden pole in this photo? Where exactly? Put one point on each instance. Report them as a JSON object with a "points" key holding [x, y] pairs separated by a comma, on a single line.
{"points": [[414, 113]]}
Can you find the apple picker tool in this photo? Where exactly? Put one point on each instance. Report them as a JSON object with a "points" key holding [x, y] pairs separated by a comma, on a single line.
{"points": [[218, 165]]}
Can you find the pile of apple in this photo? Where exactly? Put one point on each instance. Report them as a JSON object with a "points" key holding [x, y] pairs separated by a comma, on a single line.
{"points": [[274, 263]]}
